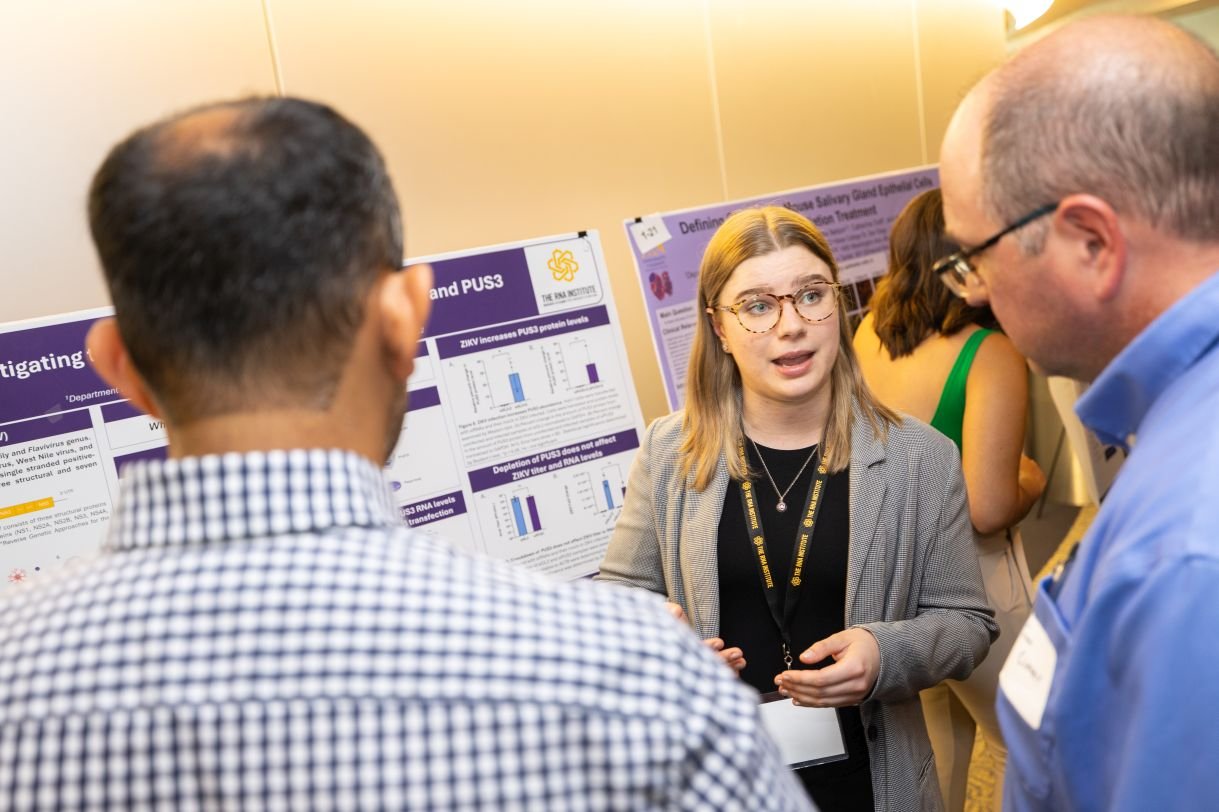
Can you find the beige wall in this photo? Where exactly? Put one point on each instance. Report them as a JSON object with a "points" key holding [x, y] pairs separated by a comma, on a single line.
{"points": [[1201, 19], [1199, 16], [500, 121]]}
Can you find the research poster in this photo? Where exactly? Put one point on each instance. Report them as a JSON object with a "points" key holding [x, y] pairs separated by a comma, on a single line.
{"points": [[64, 437], [523, 415], [854, 215], [522, 419]]}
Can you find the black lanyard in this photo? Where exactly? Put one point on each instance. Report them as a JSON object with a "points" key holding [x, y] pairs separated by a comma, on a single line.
{"points": [[804, 534]]}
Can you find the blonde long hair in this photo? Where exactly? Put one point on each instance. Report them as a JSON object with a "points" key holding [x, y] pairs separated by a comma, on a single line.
{"points": [[712, 422]]}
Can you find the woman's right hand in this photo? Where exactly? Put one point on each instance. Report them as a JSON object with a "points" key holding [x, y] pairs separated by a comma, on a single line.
{"points": [[734, 657]]}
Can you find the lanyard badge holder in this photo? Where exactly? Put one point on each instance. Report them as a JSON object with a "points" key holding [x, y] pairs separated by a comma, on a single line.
{"points": [[782, 614], [805, 736]]}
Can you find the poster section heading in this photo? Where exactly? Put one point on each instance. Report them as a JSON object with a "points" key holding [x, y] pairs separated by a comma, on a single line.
{"points": [[855, 216], [505, 285], [45, 369], [553, 459], [532, 330], [434, 509]]}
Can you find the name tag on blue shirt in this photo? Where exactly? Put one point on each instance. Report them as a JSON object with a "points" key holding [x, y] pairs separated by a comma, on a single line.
{"points": [[1029, 672]]}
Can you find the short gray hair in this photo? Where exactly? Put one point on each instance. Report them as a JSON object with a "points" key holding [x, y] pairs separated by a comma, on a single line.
{"points": [[1124, 109]]}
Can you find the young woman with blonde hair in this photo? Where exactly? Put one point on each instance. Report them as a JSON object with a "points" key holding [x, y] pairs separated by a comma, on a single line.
{"points": [[882, 598]]}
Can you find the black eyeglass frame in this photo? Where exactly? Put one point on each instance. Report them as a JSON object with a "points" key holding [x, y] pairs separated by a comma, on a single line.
{"points": [[954, 269]]}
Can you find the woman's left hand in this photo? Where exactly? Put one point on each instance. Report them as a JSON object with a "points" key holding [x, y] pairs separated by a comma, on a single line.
{"points": [[847, 681], [734, 657]]}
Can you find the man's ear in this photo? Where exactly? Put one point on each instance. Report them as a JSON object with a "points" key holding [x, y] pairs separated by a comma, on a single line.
{"points": [[1097, 242], [109, 356], [404, 302]]}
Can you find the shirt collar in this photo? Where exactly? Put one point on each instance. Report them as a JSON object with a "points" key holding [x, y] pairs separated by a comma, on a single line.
{"points": [[231, 496], [1122, 394]]}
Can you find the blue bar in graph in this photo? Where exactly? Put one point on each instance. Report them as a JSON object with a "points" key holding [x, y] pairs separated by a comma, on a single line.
{"points": [[518, 392], [518, 515], [593, 377], [609, 496]]}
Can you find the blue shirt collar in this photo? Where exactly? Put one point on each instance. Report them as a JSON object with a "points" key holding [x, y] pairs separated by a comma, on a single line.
{"points": [[1122, 394]]}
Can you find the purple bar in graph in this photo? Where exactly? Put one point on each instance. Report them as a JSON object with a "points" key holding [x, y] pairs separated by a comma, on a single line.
{"points": [[592, 373], [533, 513]]}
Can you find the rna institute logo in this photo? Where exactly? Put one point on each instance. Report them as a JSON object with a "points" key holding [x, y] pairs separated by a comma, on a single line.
{"points": [[563, 265]]}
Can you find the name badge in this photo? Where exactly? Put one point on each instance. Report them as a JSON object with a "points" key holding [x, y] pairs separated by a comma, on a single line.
{"points": [[805, 735], [1029, 672]]}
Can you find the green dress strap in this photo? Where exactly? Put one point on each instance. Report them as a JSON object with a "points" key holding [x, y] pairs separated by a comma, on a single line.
{"points": [[950, 412]]}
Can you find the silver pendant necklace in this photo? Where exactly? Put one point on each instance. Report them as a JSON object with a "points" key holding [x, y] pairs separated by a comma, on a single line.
{"points": [[782, 505]]}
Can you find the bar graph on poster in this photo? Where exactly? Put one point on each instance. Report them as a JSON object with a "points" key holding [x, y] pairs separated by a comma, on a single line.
{"points": [[533, 399], [854, 215], [521, 419]]}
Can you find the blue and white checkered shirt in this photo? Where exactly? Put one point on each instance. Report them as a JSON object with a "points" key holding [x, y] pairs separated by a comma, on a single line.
{"points": [[261, 632]]}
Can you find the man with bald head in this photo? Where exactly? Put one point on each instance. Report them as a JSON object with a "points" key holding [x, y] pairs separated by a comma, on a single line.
{"points": [[262, 631], [1082, 180]]}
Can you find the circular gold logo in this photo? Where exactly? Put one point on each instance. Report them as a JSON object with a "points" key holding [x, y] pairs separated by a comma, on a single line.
{"points": [[745, 486], [796, 581]]}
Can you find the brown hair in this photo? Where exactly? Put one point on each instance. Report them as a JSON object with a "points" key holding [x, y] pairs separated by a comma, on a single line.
{"points": [[713, 384], [910, 302]]}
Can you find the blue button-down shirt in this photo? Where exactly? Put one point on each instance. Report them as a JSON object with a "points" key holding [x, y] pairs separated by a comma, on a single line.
{"points": [[262, 632], [1132, 718]]}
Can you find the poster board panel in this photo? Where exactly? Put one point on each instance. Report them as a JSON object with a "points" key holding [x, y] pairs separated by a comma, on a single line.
{"points": [[522, 419], [855, 216]]}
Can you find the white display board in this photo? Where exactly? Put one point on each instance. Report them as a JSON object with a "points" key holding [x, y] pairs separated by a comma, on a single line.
{"points": [[1098, 463], [521, 424]]}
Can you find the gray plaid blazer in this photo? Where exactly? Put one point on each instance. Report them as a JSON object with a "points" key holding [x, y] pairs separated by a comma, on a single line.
{"points": [[913, 579]]}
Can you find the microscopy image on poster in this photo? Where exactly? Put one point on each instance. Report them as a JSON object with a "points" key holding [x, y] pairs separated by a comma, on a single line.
{"points": [[854, 215]]}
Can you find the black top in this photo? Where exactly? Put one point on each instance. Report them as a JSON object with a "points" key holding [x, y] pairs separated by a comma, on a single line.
{"points": [[745, 618]]}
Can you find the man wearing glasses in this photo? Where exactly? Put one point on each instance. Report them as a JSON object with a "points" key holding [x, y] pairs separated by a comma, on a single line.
{"points": [[1082, 179]]}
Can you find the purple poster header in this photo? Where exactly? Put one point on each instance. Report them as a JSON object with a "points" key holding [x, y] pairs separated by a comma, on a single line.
{"points": [[479, 340], [46, 369], [471, 291], [113, 412], [423, 398], [29, 430], [552, 460], [855, 216], [434, 509]]}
